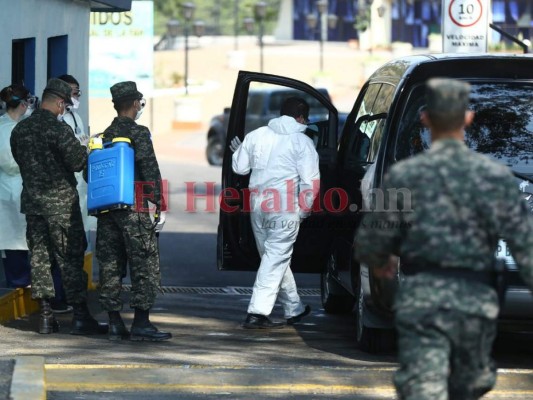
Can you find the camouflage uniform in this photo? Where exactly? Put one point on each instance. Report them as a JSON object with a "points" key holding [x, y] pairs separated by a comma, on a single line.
{"points": [[461, 204], [127, 236], [48, 154]]}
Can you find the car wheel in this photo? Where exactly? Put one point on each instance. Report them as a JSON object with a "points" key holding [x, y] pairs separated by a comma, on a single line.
{"points": [[371, 340], [214, 152], [335, 299]]}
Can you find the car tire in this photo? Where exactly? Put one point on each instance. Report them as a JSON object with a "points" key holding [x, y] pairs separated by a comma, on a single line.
{"points": [[371, 340], [214, 152], [335, 299]]}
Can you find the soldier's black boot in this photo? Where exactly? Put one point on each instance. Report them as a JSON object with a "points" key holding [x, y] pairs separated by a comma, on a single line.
{"points": [[117, 329], [47, 321], [142, 328], [83, 322]]}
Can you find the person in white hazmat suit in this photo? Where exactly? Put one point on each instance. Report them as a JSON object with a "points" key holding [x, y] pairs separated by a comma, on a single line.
{"points": [[280, 156], [15, 255]]}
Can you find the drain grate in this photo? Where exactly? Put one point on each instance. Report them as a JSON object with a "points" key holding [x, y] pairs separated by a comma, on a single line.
{"points": [[309, 292], [242, 290], [234, 290]]}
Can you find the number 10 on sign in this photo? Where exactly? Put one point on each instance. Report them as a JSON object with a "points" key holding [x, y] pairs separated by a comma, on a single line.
{"points": [[465, 13]]}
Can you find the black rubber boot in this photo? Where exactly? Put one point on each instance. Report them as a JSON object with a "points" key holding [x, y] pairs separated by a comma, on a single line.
{"points": [[47, 321], [117, 329], [142, 328], [83, 322]]}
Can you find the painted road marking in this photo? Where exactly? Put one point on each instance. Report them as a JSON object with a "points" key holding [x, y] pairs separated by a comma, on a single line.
{"points": [[371, 381]]}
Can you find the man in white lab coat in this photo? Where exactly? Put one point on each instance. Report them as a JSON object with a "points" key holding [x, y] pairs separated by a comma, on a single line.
{"points": [[280, 157], [74, 120]]}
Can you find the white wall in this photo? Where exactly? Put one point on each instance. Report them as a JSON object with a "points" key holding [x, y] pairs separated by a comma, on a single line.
{"points": [[42, 19]]}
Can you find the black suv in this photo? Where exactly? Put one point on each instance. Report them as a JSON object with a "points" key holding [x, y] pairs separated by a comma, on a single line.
{"points": [[383, 128]]}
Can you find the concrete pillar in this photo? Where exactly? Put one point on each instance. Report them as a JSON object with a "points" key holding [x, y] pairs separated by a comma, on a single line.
{"points": [[381, 26], [284, 28]]}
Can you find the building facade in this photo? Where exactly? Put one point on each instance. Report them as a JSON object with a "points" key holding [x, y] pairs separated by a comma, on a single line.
{"points": [[390, 21], [42, 39]]}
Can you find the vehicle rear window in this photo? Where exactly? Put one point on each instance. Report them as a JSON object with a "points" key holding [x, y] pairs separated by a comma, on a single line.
{"points": [[502, 128], [278, 97]]}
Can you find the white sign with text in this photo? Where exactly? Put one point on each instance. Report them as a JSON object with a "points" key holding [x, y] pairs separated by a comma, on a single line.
{"points": [[465, 26], [121, 49]]}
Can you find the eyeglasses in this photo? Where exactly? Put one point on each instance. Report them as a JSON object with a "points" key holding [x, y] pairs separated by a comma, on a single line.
{"points": [[30, 101], [76, 92], [142, 102]]}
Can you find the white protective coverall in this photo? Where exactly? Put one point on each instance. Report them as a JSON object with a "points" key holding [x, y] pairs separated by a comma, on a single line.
{"points": [[73, 119], [279, 155], [13, 231]]}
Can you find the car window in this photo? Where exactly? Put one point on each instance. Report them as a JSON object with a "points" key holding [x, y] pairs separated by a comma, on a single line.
{"points": [[316, 110], [381, 106], [368, 100], [276, 95], [376, 139], [502, 128], [255, 103], [383, 99], [367, 131]]}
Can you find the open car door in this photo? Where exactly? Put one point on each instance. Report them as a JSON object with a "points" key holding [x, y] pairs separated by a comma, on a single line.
{"points": [[236, 243]]}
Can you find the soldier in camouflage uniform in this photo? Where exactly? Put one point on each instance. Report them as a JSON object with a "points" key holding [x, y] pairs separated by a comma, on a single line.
{"points": [[461, 204], [129, 236], [48, 154]]}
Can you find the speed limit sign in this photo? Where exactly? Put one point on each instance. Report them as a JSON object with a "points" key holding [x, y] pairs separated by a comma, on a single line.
{"points": [[465, 26]]}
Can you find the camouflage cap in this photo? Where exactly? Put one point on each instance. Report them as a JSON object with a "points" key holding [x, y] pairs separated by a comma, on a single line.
{"points": [[125, 91], [59, 88], [447, 96]]}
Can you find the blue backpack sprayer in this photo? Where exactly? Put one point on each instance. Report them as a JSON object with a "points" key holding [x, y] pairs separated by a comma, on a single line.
{"points": [[110, 176]]}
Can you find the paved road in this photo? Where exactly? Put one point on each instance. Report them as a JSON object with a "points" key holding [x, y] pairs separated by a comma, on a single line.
{"points": [[210, 355]]}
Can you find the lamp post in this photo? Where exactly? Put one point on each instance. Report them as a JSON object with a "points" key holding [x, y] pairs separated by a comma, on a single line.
{"points": [[260, 12], [323, 21], [236, 24], [215, 13], [173, 30], [198, 28], [187, 10], [259, 16]]}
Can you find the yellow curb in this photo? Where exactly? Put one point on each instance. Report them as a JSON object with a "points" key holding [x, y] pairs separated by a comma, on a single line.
{"points": [[210, 379], [28, 380], [17, 303], [384, 392]]}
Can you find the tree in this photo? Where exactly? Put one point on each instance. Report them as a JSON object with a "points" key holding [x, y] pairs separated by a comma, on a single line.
{"points": [[218, 15]]}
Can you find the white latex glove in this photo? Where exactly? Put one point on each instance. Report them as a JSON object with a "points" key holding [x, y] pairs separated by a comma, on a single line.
{"points": [[161, 223], [84, 139], [235, 143]]}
